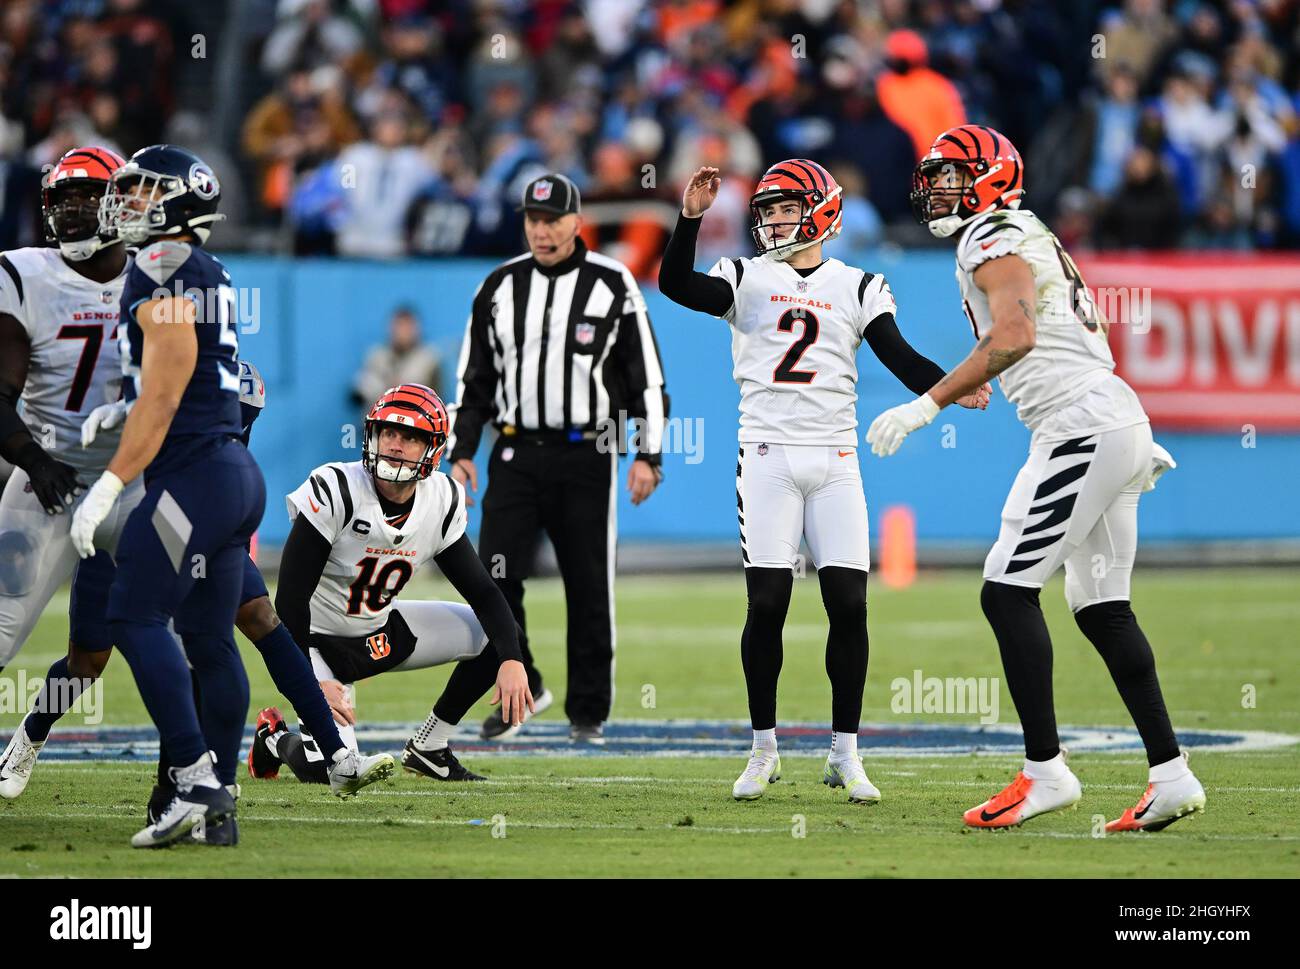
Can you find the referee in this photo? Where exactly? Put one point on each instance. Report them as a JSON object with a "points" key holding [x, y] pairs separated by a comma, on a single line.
{"points": [[558, 356]]}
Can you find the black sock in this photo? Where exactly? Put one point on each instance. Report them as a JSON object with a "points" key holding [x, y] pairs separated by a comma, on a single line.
{"points": [[1026, 647], [760, 643], [1113, 629], [468, 682], [844, 594], [291, 749]]}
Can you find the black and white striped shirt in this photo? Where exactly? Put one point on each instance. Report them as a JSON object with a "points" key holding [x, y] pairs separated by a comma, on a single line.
{"points": [[559, 348]]}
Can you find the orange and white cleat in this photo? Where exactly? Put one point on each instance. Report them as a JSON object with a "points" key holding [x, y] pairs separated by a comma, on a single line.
{"points": [[1024, 798], [1163, 802]]}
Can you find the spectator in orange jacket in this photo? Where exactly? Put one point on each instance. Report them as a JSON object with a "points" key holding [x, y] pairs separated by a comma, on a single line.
{"points": [[922, 102]]}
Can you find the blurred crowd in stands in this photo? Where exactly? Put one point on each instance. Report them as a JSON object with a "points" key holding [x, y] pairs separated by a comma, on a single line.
{"points": [[386, 128]]}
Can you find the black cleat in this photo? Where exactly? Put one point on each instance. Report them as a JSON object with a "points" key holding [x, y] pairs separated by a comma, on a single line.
{"points": [[262, 763], [495, 727], [587, 733], [441, 765]]}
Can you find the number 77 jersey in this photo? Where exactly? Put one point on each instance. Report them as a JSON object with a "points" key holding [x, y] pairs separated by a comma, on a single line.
{"points": [[70, 322], [794, 343], [1071, 355], [373, 554]]}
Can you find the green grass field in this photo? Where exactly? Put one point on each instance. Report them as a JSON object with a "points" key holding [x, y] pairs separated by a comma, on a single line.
{"points": [[1227, 649]]}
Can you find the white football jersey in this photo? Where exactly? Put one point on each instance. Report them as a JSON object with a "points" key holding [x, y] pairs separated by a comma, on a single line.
{"points": [[370, 559], [75, 366], [1071, 356], [794, 343]]}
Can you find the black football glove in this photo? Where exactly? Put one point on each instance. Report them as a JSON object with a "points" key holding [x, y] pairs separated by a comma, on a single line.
{"points": [[53, 482]]}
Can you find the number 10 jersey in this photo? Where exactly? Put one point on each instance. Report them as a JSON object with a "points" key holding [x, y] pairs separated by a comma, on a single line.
{"points": [[371, 556], [794, 342]]}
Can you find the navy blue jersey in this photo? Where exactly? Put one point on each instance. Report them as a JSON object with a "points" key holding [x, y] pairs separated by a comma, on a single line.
{"points": [[209, 408]]}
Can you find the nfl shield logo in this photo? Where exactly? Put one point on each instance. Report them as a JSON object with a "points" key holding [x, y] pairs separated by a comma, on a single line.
{"points": [[542, 190], [762, 449], [802, 285], [106, 296], [584, 333]]}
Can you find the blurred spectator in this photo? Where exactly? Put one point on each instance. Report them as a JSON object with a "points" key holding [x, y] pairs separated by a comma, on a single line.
{"points": [[403, 359], [862, 227], [1135, 36], [621, 216], [1074, 222], [1144, 214], [310, 33], [1115, 120], [866, 137], [922, 102], [380, 179]]}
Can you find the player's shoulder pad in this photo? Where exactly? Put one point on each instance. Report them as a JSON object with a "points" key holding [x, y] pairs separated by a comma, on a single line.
{"points": [[11, 281], [874, 295], [160, 260], [732, 270], [993, 234], [453, 497], [332, 487]]}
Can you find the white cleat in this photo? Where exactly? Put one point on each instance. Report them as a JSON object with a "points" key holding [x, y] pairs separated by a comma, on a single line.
{"points": [[351, 772], [849, 774], [1163, 803], [16, 764], [764, 768], [1024, 798]]}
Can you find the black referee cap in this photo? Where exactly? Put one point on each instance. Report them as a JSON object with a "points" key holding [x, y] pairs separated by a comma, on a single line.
{"points": [[552, 193]]}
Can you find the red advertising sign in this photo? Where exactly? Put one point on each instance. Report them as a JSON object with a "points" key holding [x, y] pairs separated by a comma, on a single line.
{"points": [[1209, 342]]}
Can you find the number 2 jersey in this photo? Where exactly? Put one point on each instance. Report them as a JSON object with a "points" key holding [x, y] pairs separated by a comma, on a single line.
{"points": [[71, 324], [209, 408], [1071, 358], [794, 343], [371, 557]]}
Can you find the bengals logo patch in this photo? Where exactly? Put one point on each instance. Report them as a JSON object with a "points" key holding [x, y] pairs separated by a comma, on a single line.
{"points": [[379, 646]]}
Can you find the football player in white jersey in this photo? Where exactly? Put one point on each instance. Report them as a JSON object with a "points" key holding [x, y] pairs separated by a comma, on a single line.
{"points": [[797, 320], [58, 352], [1074, 503], [360, 531]]}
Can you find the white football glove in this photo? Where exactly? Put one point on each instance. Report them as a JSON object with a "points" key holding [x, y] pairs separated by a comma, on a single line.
{"points": [[92, 511], [890, 427], [105, 417], [1161, 461]]}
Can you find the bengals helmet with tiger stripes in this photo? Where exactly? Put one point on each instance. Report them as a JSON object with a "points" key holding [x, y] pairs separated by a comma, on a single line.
{"points": [[822, 207], [413, 407], [973, 169], [70, 194]]}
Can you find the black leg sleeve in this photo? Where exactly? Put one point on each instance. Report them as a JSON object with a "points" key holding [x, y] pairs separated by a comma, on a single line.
{"points": [[291, 749], [1113, 629], [468, 681], [844, 594], [760, 644], [1026, 647]]}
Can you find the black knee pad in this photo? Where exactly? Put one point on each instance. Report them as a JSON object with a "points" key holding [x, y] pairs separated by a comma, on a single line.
{"points": [[768, 591], [844, 594]]}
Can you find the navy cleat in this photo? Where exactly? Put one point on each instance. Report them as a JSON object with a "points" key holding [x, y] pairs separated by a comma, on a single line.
{"points": [[199, 807]]}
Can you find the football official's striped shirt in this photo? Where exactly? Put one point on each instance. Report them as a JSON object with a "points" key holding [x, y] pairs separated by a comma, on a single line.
{"points": [[558, 348]]}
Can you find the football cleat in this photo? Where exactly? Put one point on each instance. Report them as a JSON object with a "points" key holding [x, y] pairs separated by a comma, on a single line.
{"points": [[1163, 803], [495, 727], [850, 775], [1024, 798], [16, 763], [441, 765], [764, 768], [587, 733], [204, 808], [351, 772], [263, 764]]}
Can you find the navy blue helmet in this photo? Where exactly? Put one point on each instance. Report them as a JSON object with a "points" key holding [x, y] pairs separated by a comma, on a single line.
{"points": [[162, 190]]}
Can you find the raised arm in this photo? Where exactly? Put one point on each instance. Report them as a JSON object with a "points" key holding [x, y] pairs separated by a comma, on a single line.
{"points": [[678, 279]]}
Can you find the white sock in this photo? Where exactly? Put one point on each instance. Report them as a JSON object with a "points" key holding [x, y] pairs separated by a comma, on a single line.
{"points": [[1170, 770], [1046, 770], [844, 745], [434, 733], [765, 739]]}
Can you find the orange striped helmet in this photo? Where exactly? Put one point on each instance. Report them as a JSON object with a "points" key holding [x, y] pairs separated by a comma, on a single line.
{"points": [[70, 194], [413, 407], [968, 170], [821, 213]]}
